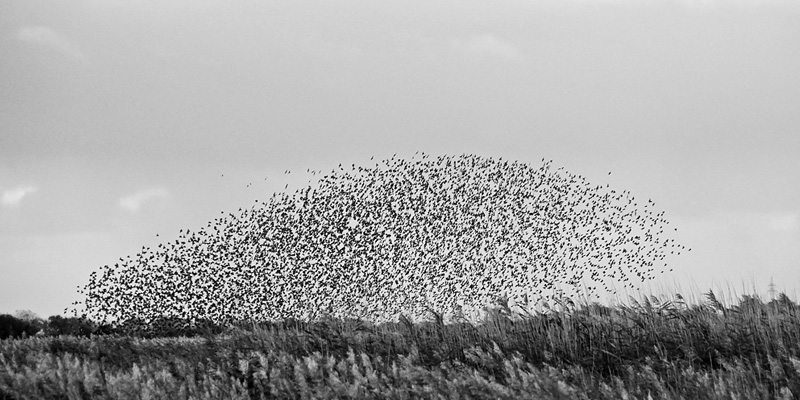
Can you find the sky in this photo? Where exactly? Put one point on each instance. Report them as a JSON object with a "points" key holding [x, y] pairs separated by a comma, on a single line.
{"points": [[123, 119]]}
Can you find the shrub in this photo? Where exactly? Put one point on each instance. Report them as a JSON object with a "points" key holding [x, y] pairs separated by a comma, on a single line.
{"points": [[12, 327], [73, 326]]}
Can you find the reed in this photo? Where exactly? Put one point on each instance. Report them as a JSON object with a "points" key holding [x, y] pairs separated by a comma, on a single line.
{"points": [[649, 347]]}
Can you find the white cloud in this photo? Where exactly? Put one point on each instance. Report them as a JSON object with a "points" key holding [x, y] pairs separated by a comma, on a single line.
{"points": [[783, 222], [13, 197], [487, 44], [47, 37], [135, 201]]}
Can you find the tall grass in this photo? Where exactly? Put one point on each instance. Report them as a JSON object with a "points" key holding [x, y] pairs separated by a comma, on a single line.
{"points": [[649, 347]]}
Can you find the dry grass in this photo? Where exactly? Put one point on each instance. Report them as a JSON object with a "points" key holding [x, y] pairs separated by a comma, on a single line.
{"points": [[648, 348]]}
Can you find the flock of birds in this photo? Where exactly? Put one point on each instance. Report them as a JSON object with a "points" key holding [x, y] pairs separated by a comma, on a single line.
{"points": [[404, 236]]}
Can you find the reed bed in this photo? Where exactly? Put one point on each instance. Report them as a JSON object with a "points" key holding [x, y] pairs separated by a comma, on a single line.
{"points": [[648, 349]]}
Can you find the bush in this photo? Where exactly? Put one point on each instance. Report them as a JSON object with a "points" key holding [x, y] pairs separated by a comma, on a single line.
{"points": [[12, 327], [58, 325]]}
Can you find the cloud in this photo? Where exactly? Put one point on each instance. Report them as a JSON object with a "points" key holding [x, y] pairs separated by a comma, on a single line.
{"points": [[47, 37], [783, 222], [13, 197], [487, 44], [135, 201]]}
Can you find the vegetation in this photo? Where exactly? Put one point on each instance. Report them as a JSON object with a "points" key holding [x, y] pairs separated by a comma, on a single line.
{"points": [[650, 348], [15, 327], [11, 326]]}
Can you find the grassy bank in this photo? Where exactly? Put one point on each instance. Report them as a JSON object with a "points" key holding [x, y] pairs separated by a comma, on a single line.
{"points": [[647, 349]]}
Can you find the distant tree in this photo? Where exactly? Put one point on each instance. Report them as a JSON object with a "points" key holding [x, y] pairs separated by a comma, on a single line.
{"points": [[32, 318], [106, 329], [26, 315], [12, 327], [73, 326]]}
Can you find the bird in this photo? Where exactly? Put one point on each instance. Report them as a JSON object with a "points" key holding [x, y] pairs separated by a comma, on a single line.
{"points": [[400, 238]]}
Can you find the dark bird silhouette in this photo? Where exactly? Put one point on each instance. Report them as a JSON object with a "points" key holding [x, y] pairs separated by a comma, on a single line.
{"points": [[407, 235]]}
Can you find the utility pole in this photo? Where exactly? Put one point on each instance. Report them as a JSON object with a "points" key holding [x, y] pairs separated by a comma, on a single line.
{"points": [[771, 290]]}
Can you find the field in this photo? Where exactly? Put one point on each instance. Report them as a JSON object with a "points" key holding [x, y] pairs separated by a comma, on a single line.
{"points": [[648, 349]]}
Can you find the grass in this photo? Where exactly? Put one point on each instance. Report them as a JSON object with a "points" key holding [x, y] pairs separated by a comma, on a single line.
{"points": [[648, 348]]}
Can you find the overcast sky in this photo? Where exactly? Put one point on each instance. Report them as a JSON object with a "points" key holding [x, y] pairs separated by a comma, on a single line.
{"points": [[123, 119]]}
